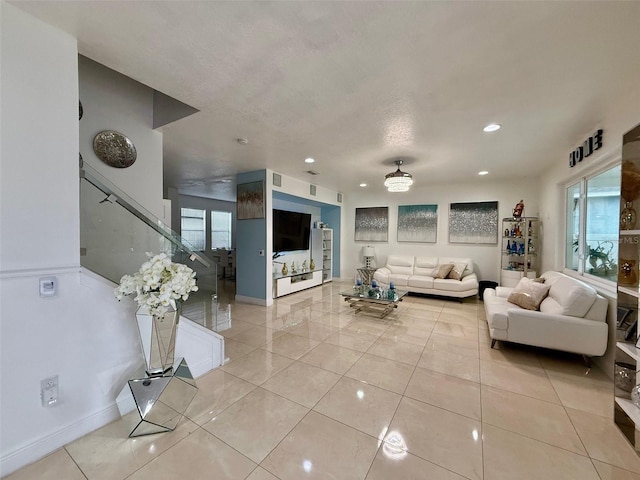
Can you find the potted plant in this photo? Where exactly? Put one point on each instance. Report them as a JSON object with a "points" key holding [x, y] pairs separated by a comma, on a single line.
{"points": [[599, 258]]}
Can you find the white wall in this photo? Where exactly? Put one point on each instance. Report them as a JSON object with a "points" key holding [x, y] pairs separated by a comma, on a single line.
{"points": [[82, 335], [112, 239], [553, 183], [39, 156], [112, 101], [620, 115], [300, 188], [486, 257]]}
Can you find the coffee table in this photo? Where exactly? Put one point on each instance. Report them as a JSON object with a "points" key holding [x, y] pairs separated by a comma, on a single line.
{"points": [[379, 302]]}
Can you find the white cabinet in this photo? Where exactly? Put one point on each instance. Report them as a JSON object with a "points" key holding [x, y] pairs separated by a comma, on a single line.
{"points": [[286, 284], [519, 249], [322, 247]]}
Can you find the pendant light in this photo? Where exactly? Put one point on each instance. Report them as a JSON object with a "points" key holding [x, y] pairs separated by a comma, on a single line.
{"points": [[398, 181]]}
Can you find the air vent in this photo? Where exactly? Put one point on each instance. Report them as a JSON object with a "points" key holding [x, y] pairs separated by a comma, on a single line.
{"points": [[311, 172], [339, 198], [312, 190], [277, 180]]}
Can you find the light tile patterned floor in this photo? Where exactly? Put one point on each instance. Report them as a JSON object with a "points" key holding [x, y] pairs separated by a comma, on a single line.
{"points": [[312, 391]]}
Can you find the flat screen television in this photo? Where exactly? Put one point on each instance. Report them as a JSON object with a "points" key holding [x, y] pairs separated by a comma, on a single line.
{"points": [[291, 231]]}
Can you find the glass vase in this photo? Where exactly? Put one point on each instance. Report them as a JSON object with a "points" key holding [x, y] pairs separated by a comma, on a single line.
{"points": [[158, 339], [628, 217]]}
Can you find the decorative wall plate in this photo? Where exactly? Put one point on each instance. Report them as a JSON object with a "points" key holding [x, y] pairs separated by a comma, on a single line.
{"points": [[114, 149]]}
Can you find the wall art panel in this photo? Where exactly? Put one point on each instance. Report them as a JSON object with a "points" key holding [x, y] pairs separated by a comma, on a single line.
{"points": [[417, 223], [372, 224], [250, 203], [473, 222]]}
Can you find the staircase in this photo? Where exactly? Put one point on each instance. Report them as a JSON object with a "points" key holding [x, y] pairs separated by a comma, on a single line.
{"points": [[115, 235]]}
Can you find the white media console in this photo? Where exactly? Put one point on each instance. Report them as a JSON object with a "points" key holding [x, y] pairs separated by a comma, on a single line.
{"points": [[294, 282]]}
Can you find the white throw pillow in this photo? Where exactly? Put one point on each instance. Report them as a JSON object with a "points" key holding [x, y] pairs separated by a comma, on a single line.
{"points": [[528, 294], [457, 270], [441, 271]]}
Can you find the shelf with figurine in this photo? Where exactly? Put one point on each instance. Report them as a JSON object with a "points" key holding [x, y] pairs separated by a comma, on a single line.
{"points": [[520, 245]]}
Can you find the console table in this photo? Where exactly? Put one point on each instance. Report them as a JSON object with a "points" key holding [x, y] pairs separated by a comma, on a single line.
{"points": [[294, 282]]}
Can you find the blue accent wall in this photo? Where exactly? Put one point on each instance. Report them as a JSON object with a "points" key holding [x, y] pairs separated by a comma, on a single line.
{"points": [[251, 237], [253, 271], [329, 214]]}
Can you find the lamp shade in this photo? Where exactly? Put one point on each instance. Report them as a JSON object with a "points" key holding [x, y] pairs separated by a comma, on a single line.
{"points": [[368, 252]]}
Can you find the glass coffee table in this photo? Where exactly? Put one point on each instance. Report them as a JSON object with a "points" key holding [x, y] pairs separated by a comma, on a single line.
{"points": [[377, 301]]}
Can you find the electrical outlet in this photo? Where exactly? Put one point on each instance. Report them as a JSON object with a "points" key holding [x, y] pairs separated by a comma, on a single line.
{"points": [[48, 286], [49, 391]]}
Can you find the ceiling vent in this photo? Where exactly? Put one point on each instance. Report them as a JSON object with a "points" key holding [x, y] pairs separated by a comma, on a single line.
{"points": [[311, 172]]}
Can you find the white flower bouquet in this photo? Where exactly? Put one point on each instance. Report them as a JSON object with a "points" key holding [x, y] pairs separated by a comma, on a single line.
{"points": [[159, 284]]}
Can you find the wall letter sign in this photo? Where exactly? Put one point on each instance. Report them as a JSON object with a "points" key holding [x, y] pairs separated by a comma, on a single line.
{"points": [[589, 146]]}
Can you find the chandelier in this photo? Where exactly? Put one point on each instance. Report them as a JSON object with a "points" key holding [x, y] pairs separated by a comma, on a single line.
{"points": [[398, 181]]}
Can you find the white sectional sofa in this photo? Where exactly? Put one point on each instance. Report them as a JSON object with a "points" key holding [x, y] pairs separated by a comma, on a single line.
{"points": [[415, 274], [572, 317]]}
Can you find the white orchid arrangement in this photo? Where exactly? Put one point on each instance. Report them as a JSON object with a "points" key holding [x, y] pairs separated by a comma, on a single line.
{"points": [[159, 284]]}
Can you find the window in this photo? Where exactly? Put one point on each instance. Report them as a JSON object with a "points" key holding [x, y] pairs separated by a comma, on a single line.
{"points": [[193, 227], [593, 216], [220, 229]]}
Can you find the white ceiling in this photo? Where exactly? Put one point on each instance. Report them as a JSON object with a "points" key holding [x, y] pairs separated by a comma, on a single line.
{"points": [[357, 84]]}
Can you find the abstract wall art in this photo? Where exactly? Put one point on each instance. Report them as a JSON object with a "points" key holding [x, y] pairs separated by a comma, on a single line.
{"points": [[250, 201], [473, 222], [417, 223], [372, 224]]}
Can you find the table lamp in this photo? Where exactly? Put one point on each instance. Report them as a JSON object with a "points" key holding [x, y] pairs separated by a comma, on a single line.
{"points": [[368, 253]]}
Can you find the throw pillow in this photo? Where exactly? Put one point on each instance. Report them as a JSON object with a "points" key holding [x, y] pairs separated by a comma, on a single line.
{"points": [[441, 271], [456, 271], [528, 294]]}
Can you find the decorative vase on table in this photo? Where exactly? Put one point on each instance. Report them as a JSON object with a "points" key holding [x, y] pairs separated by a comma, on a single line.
{"points": [[164, 394], [158, 339]]}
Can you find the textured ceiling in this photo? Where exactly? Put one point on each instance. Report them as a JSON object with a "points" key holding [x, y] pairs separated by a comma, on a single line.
{"points": [[357, 84]]}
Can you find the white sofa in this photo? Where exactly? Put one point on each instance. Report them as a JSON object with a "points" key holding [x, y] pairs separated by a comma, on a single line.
{"points": [[414, 274], [573, 317]]}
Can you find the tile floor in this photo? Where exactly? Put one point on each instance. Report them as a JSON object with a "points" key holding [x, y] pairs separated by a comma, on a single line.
{"points": [[312, 391]]}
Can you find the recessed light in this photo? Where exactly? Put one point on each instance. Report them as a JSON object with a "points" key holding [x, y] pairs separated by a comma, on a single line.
{"points": [[309, 160], [492, 127], [363, 184], [483, 172]]}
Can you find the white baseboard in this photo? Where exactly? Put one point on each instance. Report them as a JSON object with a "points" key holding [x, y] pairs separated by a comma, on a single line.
{"points": [[40, 448]]}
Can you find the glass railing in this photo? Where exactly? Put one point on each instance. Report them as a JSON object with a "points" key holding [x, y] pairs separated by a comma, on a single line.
{"points": [[116, 233]]}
